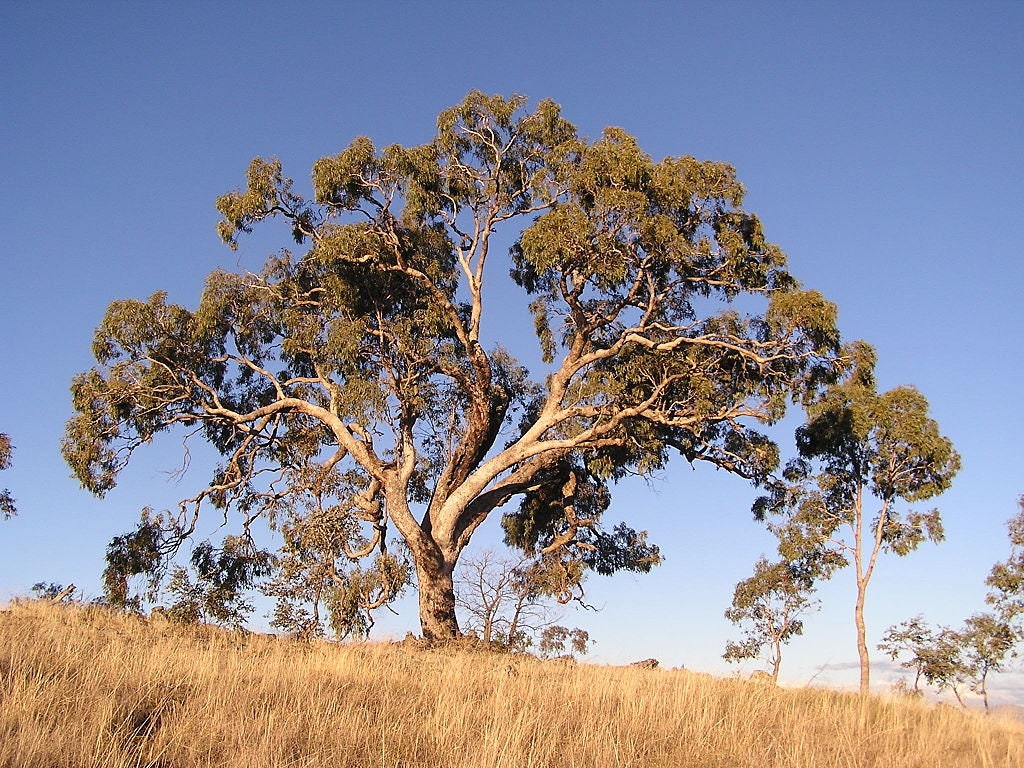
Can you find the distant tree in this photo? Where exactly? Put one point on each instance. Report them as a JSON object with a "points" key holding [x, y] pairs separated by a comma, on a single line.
{"points": [[362, 366], [509, 601], [858, 445], [913, 641], [558, 641], [987, 644], [7, 507], [953, 659], [944, 664], [769, 606], [991, 640]]}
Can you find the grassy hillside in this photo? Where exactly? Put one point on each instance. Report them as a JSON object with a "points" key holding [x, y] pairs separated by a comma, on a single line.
{"points": [[85, 687]]}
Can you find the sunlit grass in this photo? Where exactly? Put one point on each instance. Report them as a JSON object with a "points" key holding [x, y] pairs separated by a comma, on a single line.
{"points": [[86, 687]]}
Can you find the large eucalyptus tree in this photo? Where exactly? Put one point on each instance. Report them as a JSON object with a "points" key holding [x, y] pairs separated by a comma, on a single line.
{"points": [[351, 389]]}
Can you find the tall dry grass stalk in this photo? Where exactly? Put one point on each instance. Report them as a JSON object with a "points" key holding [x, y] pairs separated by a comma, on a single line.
{"points": [[86, 687]]}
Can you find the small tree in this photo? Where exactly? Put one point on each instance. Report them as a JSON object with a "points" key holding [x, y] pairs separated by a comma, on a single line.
{"points": [[7, 507], [858, 445], [990, 640], [987, 644], [944, 668], [769, 606], [915, 642], [950, 659], [558, 641]]}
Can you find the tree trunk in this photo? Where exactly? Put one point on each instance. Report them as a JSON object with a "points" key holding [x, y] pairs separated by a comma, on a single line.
{"points": [[862, 643], [776, 660], [437, 599]]}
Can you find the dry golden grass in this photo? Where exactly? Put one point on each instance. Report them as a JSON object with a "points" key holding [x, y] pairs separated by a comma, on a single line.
{"points": [[86, 687]]}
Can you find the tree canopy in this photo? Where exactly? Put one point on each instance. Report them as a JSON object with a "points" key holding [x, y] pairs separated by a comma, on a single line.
{"points": [[352, 392]]}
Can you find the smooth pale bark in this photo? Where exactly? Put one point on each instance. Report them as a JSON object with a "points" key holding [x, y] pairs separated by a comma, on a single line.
{"points": [[862, 643], [864, 574]]}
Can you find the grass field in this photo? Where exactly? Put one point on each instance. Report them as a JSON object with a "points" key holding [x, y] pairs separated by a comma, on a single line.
{"points": [[81, 686]]}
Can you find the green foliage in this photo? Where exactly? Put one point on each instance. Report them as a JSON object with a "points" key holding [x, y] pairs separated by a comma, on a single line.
{"points": [[139, 553], [222, 578], [353, 597], [854, 442], [769, 606], [1006, 580], [315, 581], [922, 650], [7, 506], [355, 370], [858, 443], [558, 641], [560, 525], [987, 642]]}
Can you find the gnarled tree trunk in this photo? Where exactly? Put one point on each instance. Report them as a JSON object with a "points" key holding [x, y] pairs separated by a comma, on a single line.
{"points": [[437, 598]]}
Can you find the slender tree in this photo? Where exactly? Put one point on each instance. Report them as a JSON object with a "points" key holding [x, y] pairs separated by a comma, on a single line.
{"points": [[359, 370], [861, 454]]}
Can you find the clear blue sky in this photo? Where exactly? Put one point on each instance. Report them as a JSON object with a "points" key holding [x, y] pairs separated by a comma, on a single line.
{"points": [[881, 144]]}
